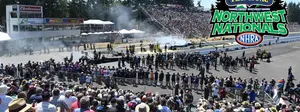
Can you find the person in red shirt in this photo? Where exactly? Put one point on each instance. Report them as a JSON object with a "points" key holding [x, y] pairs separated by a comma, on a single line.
{"points": [[222, 93], [77, 103]]}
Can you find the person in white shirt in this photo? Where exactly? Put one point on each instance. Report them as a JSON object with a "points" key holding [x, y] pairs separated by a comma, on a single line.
{"points": [[4, 98], [88, 79], [68, 98], [45, 105], [106, 73]]}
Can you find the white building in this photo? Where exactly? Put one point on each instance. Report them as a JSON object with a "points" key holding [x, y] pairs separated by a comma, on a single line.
{"points": [[26, 21]]}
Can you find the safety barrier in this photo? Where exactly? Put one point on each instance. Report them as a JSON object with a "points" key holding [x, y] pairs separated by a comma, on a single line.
{"points": [[239, 47]]}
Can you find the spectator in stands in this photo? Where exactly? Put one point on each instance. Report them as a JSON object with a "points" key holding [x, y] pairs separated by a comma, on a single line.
{"points": [[252, 96], [37, 97], [58, 102], [19, 105], [22, 95], [45, 105], [5, 100], [143, 107], [84, 105], [163, 106], [68, 98], [76, 104], [222, 93]]}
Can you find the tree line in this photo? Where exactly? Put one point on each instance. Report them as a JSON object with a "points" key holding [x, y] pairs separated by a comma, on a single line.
{"points": [[87, 9], [294, 12]]}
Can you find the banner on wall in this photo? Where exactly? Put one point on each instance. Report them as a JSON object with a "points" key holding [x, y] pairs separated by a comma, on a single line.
{"points": [[73, 20], [30, 21], [63, 21], [54, 21], [30, 8]]}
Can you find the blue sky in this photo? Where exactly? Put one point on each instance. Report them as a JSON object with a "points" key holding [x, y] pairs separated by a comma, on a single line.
{"points": [[207, 3]]}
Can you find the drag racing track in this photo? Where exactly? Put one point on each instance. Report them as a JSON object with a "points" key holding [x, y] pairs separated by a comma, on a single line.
{"points": [[283, 56], [275, 49]]}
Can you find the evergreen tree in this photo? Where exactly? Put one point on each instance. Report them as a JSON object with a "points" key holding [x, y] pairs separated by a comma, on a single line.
{"points": [[221, 5]]}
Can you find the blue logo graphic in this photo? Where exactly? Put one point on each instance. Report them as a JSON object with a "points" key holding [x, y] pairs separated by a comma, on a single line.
{"points": [[249, 39], [249, 2]]}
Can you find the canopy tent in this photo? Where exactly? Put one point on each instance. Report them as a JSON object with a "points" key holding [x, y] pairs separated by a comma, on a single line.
{"points": [[97, 22], [136, 31], [123, 31], [84, 34], [97, 33], [133, 31], [4, 36]]}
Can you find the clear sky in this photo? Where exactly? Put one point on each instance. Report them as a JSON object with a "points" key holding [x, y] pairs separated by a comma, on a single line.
{"points": [[207, 3]]}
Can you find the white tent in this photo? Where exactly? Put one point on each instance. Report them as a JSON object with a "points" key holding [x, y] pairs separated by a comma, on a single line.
{"points": [[98, 22], [84, 34], [107, 22], [136, 31], [98, 33], [123, 31], [133, 31], [107, 32], [4, 36]]}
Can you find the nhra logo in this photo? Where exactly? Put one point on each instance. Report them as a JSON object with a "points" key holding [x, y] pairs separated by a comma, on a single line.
{"points": [[249, 20], [249, 39]]}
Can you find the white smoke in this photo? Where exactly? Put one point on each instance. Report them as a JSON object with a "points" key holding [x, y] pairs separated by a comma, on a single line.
{"points": [[171, 40], [122, 16]]}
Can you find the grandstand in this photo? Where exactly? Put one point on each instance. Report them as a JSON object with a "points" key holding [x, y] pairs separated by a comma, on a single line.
{"points": [[179, 20], [190, 22]]}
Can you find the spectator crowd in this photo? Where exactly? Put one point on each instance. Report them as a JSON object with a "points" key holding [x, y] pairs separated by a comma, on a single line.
{"points": [[182, 20], [31, 87], [189, 21]]}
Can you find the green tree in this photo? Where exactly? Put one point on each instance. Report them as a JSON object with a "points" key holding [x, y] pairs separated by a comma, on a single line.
{"points": [[221, 5], [28, 2], [293, 15], [199, 3], [186, 3], [62, 8], [77, 9], [50, 8]]}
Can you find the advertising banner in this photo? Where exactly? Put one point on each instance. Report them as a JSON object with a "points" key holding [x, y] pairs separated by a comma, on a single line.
{"points": [[66, 20], [63, 21], [30, 8], [30, 21], [73, 20], [54, 21]]}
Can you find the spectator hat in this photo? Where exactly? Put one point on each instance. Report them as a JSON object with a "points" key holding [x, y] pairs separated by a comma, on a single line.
{"points": [[68, 92], [138, 100], [257, 105], [262, 110], [245, 104], [142, 108], [18, 105], [3, 89]]}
